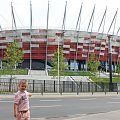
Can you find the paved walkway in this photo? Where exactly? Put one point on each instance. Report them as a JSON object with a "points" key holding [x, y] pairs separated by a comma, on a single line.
{"points": [[113, 115], [52, 95]]}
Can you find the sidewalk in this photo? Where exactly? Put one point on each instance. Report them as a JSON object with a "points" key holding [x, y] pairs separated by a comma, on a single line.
{"points": [[114, 115], [56, 95]]}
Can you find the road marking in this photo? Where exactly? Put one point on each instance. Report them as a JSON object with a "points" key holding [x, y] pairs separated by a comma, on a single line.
{"points": [[6, 101], [89, 99], [115, 98], [113, 102], [77, 115], [50, 100], [46, 106], [37, 118]]}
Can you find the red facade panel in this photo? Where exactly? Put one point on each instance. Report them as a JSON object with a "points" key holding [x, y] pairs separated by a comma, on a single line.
{"points": [[66, 49], [86, 38], [2, 38], [18, 39], [93, 36], [73, 45], [26, 56], [26, 45], [114, 57], [67, 56], [26, 34], [38, 36], [117, 40]]}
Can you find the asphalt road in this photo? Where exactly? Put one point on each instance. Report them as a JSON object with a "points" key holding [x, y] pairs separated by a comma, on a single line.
{"points": [[59, 108]]}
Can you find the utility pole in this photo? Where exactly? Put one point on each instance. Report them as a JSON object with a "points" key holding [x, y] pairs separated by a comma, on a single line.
{"points": [[110, 63]]}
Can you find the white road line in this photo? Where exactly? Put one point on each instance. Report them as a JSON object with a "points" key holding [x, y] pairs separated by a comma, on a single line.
{"points": [[46, 106], [50, 100], [6, 101], [115, 98], [37, 118], [113, 102], [76, 115], [89, 99]]}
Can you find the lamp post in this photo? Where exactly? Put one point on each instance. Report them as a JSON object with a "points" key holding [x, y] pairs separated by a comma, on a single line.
{"points": [[110, 63], [59, 35]]}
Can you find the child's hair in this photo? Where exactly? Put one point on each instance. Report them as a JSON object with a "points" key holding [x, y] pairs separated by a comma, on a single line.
{"points": [[23, 81]]}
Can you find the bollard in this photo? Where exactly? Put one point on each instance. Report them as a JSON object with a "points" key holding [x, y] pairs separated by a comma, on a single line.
{"points": [[77, 90], [33, 86], [117, 89], [41, 89], [60, 90], [105, 90], [92, 89]]}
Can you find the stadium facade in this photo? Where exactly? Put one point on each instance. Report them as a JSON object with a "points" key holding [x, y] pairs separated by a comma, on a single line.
{"points": [[39, 46]]}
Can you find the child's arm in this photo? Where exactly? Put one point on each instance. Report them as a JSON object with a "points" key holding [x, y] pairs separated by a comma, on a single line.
{"points": [[29, 94], [15, 110]]}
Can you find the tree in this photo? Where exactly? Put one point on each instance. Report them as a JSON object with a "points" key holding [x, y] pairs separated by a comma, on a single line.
{"points": [[118, 69], [62, 65], [12, 56], [93, 63]]}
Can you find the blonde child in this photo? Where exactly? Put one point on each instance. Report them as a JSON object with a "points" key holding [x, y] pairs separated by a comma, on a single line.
{"points": [[21, 102]]}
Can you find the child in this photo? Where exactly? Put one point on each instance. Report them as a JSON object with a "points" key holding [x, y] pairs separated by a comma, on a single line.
{"points": [[21, 102]]}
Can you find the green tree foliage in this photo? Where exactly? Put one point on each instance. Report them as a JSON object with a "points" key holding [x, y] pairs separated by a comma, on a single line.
{"points": [[12, 56], [93, 63], [62, 65], [118, 69]]}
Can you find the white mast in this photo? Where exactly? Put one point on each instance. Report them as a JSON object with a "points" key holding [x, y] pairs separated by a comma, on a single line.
{"points": [[47, 38], [30, 33]]}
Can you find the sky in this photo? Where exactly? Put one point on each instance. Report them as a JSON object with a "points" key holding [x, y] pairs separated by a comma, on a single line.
{"points": [[56, 12]]}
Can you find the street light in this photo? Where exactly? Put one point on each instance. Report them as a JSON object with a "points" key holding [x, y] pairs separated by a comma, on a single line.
{"points": [[110, 63], [59, 35]]}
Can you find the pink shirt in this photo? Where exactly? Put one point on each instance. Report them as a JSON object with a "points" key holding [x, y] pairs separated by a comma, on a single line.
{"points": [[22, 100]]}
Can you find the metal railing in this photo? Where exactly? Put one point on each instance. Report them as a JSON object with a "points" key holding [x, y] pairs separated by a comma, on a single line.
{"points": [[50, 86]]}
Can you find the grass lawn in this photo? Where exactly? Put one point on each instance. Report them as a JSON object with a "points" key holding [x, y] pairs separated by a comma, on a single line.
{"points": [[70, 73], [114, 80], [15, 72]]}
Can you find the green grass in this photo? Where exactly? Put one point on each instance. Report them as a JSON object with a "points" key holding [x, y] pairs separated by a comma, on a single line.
{"points": [[114, 80], [15, 72], [69, 73]]}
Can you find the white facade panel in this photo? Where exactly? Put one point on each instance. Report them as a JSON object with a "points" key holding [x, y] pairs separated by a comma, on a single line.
{"points": [[34, 45]]}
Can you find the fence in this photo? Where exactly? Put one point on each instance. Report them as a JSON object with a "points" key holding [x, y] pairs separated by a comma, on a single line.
{"points": [[50, 86]]}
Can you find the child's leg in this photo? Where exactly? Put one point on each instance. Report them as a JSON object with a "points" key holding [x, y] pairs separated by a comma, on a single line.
{"points": [[26, 116], [23, 116], [19, 116]]}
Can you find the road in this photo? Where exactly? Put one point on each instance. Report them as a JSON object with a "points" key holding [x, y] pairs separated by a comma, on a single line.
{"points": [[62, 108]]}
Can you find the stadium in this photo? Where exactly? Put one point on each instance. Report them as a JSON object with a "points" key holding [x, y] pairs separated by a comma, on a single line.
{"points": [[40, 44], [75, 48]]}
